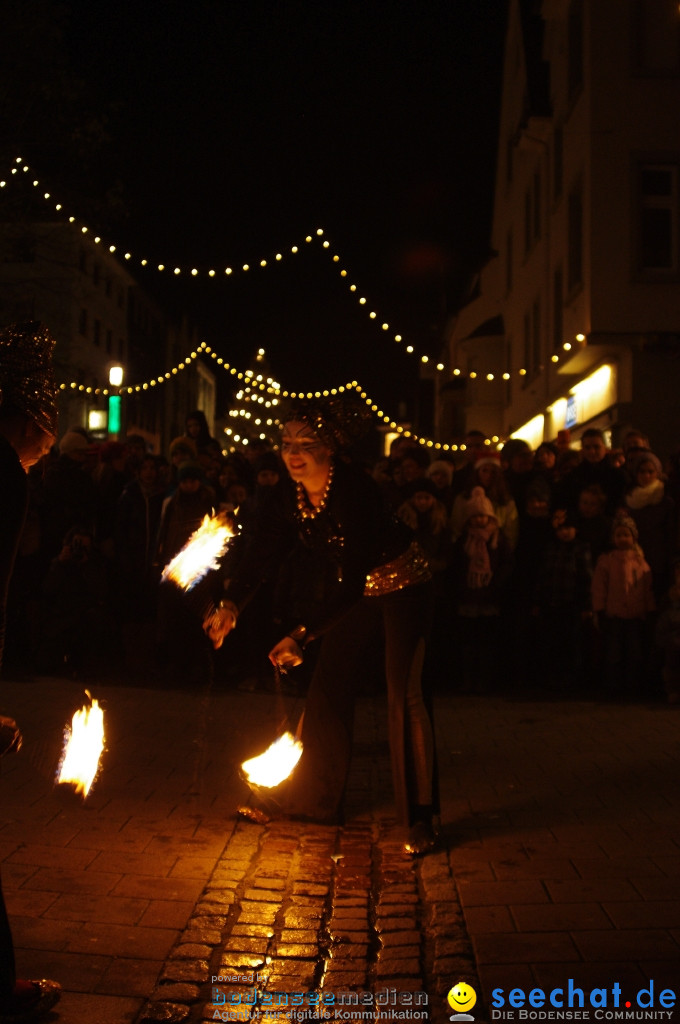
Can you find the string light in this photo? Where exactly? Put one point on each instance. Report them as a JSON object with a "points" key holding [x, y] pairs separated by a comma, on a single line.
{"points": [[319, 235]]}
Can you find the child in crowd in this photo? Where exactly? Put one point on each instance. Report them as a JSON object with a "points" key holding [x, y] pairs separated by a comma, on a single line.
{"points": [[489, 475], [481, 566], [622, 599], [654, 515], [592, 525], [440, 472], [667, 637], [426, 516], [562, 603]]}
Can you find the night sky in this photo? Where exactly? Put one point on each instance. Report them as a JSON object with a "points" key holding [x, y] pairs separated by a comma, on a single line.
{"points": [[237, 128]]}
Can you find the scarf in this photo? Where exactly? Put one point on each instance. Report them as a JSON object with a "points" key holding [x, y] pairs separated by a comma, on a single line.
{"points": [[640, 497], [477, 549]]}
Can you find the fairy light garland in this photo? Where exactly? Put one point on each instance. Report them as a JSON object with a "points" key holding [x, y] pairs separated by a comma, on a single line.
{"points": [[228, 271], [256, 383]]}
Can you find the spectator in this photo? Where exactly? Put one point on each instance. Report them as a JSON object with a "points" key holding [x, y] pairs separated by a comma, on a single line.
{"points": [[594, 468], [561, 604], [440, 472], [488, 474], [668, 638], [480, 568], [69, 495], [654, 515], [623, 598]]}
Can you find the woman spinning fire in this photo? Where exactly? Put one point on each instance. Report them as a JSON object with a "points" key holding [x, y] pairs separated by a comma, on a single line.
{"points": [[349, 571]]}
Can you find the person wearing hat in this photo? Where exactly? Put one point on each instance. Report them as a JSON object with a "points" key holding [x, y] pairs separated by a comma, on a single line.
{"points": [[346, 574], [488, 473], [425, 514], [28, 425], [481, 563], [69, 494], [655, 515], [440, 472], [623, 599]]}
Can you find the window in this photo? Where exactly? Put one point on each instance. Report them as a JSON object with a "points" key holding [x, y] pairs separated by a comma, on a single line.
{"points": [[558, 285], [535, 338], [97, 331], [528, 221], [527, 349], [558, 160], [537, 206], [575, 49], [658, 218], [656, 40], [575, 238], [82, 322]]}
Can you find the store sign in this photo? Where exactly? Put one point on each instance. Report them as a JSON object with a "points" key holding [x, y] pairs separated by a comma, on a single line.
{"points": [[571, 415]]}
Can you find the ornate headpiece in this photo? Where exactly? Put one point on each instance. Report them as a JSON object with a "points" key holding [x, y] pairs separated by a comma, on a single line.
{"points": [[340, 421], [27, 382]]}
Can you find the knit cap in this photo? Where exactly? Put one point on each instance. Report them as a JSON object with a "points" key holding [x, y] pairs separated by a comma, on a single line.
{"points": [[73, 442], [440, 466], [488, 459], [621, 519], [184, 446], [478, 505], [645, 456], [423, 484], [189, 471]]}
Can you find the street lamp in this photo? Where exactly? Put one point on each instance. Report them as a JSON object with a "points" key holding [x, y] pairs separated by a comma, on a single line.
{"points": [[115, 380]]}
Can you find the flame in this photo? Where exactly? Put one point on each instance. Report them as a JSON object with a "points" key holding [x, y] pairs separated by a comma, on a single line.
{"points": [[201, 553], [84, 742], [276, 764]]}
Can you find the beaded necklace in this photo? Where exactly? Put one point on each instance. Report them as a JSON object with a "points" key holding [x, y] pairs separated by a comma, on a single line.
{"points": [[304, 509]]}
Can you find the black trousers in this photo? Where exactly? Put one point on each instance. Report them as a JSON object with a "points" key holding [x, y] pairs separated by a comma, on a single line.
{"points": [[317, 786]]}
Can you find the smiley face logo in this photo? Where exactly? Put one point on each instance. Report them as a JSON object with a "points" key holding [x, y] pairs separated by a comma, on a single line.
{"points": [[462, 997]]}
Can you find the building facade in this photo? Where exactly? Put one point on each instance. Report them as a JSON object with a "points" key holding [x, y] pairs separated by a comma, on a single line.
{"points": [[575, 320], [101, 318]]}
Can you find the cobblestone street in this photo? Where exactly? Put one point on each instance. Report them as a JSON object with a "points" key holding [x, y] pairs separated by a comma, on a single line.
{"points": [[558, 864]]}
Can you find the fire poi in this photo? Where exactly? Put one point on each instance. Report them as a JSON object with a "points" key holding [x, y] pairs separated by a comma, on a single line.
{"points": [[83, 745], [201, 553], [275, 764]]}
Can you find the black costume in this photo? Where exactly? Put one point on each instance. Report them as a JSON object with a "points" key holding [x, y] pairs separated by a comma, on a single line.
{"points": [[322, 561], [14, 488]]}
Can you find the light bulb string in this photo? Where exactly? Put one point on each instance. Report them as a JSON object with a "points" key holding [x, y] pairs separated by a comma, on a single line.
{"points": [[20, 166]]}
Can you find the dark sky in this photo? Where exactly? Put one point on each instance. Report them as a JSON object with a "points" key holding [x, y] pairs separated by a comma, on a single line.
{"points": [[238, 127]]}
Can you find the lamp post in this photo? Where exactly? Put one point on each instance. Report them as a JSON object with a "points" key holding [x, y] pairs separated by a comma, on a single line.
{"points": [[116, 375]]}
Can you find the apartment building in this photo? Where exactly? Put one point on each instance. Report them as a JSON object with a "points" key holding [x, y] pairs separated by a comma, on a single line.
{"points": [[575, 320]]}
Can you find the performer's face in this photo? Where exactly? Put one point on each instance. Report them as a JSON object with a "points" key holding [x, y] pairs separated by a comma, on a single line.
{"points": [[306, 456], [33, 445]]}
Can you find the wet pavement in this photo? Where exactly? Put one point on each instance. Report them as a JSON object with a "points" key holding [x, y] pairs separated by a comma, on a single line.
{"points": [[559, 859]]}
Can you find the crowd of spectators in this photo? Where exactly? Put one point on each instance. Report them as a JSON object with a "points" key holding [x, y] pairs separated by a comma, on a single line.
{"points": [[556, 569]]}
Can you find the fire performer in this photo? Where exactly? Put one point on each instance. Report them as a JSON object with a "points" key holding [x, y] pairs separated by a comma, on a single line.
{"points": [[28, 421], [349, 570]]}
